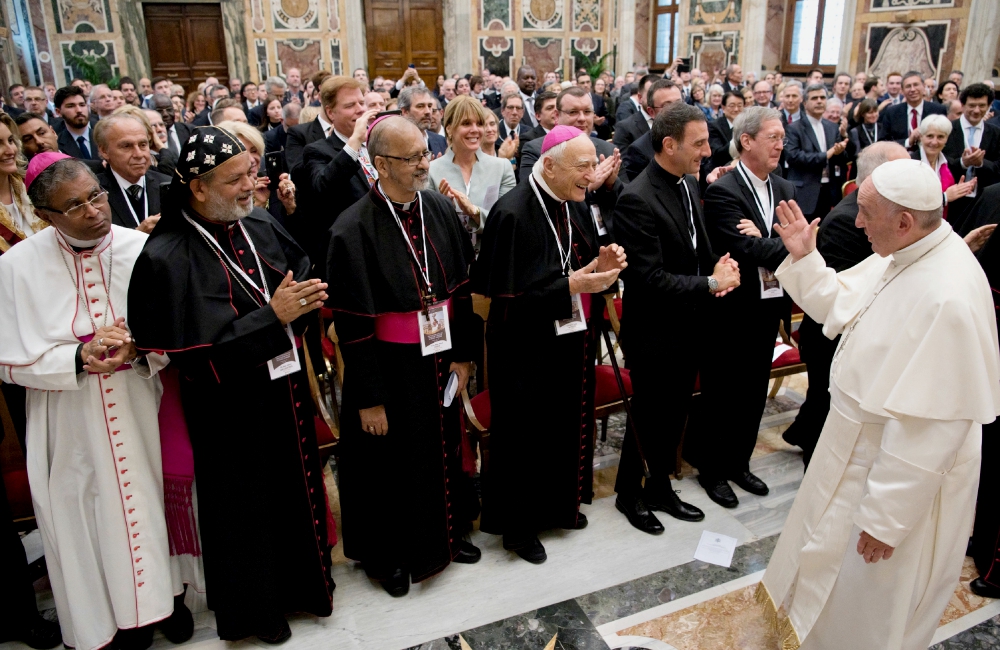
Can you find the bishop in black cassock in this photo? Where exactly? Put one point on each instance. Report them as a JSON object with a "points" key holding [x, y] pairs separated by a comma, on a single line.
{"points": [[540, 250], [401, 446], [211, 289]]}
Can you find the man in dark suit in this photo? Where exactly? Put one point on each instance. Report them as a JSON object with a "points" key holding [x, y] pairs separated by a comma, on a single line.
{"points": [[274, 140], [601, 123], [734, 78], [973, 149], [901, 121], [299, 137], [546, 114], [817, 157], [133, 188], [628, 104], [511, 118], [720, 132], [637, 156], [36, 103], [417, 105], [332, 174], [248, 97], [77, 138], [672, 274], [741, 329], [635, 126], [842, 245]]}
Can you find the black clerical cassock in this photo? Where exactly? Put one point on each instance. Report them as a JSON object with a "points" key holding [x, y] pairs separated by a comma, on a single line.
{"points": [[405, 499], [541, 384], [266, 532]]}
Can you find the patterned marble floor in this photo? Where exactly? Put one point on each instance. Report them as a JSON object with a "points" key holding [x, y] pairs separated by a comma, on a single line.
{"points": [[609, 586]]}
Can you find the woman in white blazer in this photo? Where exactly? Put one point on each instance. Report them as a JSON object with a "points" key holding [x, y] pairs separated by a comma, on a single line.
{"points": [[473, 180]]}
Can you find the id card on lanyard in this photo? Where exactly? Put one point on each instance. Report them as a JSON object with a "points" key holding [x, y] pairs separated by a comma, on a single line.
{"points": [[769, 285], [432, 320], [287, 362], [576, 322]]}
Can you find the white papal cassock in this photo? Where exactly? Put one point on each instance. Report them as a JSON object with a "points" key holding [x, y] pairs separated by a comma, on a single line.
{"points": [[912, 382], [93, 446]]}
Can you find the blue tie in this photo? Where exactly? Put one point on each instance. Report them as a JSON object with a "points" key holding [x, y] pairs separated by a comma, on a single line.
{"points": [[84, 149]]}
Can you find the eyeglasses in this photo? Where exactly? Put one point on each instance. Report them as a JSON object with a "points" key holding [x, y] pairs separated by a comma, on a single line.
{"points": [[774, 139], [576, 114], [98, 200], [413, 160], [515, 108]]}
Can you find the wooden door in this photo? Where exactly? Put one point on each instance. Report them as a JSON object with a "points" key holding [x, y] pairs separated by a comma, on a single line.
{"points": [[401, 32], [186, 43]]}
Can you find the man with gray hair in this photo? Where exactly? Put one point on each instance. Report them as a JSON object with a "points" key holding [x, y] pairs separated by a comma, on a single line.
{"points": [[227, 109], [417, 105], [739, 214], [133, 188], [93, 453], [874, 543], [102, 102], [843, 246], [274, 88]]}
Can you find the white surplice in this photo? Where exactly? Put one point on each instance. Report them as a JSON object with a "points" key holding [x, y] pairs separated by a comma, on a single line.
{"points": [[912, 382], [93, 445]]}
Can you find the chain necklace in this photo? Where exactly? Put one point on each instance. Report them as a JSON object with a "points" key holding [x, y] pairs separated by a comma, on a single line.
{"points": [[76, 283], [850, 330]]}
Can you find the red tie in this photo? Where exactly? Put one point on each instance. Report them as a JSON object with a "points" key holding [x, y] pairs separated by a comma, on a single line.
{"points": [[913, 119], [789, 118]]}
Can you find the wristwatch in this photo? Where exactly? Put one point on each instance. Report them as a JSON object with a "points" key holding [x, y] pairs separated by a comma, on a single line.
{"points": [[713, 284]]}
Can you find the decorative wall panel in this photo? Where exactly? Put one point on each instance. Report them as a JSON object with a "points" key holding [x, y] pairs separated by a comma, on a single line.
{"points": [[543, 54], [586, 15], [304, 54], [494, 15], [336, 60], [897, 48], [542, 15], [295, 15], [496, 54], [74, 16], [903, 5], [715, 12], [713, 52], [263, 68]]}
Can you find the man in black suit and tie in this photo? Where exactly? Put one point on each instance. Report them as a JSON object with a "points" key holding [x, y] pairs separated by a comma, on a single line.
{"points": [[734, 78], [299, 137], [635, 159], [672, 275], [601, 123], [248, 97], [632, 128], [902, 120], [527, 82], [628, 104], [417, 105], [546, 114], [335, 170], [511, 118], [720, 132], [77, 138], [739, 340], [973, 149], [133, 188], [817, 157], [177, 132]]}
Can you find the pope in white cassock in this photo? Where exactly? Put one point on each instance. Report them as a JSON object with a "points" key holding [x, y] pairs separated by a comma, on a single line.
{"points": [[93, 446], [873, 547]]}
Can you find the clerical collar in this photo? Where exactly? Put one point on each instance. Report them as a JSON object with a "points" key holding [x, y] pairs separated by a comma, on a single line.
{"points": [[208, 223], [402, 207], [922, 246], [545, 187], [81, 243]]}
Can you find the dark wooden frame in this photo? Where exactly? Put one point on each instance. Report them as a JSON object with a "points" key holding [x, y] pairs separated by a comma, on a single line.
{"points": [[787, 66], [655, 12]]}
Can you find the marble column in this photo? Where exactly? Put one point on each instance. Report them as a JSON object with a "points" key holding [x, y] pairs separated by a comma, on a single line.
{"points": [[458, 46], [626, 36], [754, 35], [981, 40], [234, 13], [357, 43], [135, 45], [848, 33], [8, 69]]}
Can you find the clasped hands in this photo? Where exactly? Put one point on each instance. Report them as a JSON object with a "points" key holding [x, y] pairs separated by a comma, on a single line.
{"points": [[113, 338], [601, 273], [293, 299], [606, 172]]}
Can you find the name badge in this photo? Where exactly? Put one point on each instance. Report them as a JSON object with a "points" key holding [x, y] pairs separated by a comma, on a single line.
{"points": [[287, 362], [576, 322], [769, 285], [598, 220], [435, 331]]}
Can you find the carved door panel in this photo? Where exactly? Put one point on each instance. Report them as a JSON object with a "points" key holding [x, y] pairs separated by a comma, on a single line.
{"points": [[186, 42], [401, 32]]}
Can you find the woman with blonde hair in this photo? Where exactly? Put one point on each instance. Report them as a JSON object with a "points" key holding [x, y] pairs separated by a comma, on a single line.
{"points": [[491, 130], [464, 166], [196, 105], [253, 140], [17, 217]]}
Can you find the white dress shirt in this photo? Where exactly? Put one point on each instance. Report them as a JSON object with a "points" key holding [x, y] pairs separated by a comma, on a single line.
{"points": [[124, 184], [909, 116], [817, 127]]}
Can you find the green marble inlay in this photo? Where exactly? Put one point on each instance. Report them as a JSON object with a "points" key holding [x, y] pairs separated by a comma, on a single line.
{"points": [[496, 10]]}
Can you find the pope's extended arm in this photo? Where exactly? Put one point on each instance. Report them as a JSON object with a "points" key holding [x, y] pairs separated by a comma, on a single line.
{"points": [[914, 458]]}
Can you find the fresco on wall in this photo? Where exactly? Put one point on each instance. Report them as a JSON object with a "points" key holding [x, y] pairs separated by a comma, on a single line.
{"points": [[303, 53], [715, 12], [295, 15], [902, 48], [496, 53], [902, 5]]}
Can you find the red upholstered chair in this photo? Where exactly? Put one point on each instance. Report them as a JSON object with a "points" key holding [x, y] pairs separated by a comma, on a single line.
{"points": [[477, 409], [14, 473], [849, 186], [788, 362], [322, 386]]}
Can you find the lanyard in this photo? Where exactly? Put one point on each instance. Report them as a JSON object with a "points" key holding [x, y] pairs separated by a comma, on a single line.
{"points": [[563, 255], [768, 216], [233, 265], [425, 270], [690, 209], [872, 139], [145, 203]]}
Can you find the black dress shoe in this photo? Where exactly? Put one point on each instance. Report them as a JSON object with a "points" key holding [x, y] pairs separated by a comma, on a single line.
{"points": [[581, 522], [180, 626], [981, 588], [638, 515], [720, 492], [670, 503], [137, 638], [750, 483], [531, 550], [37, 633], [467, 553], [277, 633], [396, 585]]}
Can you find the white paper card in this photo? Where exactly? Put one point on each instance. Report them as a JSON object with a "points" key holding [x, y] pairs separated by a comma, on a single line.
{"points": [[769, 285], [576, 322], [491, 196], [435, 331], [598, 220], [287, 362], [715, 548], [451, 389]]}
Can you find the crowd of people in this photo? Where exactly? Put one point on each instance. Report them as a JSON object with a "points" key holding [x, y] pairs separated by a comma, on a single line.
{"points": [[204, 239]]}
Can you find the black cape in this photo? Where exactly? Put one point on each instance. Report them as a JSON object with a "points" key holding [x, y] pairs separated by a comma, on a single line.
{"points": [[541, 385], [261, 499], [416, 468]]}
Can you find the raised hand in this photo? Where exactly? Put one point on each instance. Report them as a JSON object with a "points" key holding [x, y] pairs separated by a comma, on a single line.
{"points": [[958, 190], [292, 299], [610, 258], [585, 280], [798, 235]]}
